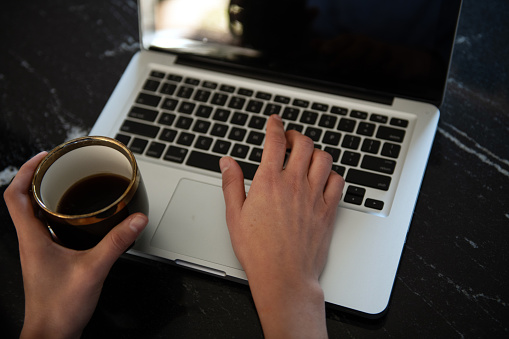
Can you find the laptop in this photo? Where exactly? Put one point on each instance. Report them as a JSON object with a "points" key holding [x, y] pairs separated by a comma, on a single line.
{"points": [[363, 79]]}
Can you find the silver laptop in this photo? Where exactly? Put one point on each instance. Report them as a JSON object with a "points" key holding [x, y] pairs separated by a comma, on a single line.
{"points": [[363, 79]]}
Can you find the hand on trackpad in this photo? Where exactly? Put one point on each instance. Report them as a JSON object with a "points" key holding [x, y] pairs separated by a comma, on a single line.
{"points": [[194, 224]]}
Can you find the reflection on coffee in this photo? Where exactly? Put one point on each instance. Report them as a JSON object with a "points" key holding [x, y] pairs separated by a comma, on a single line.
{"points": [[92, 194]]}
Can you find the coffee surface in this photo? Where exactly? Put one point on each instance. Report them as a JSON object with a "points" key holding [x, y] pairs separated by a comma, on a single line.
{"points": [[92, 193]]}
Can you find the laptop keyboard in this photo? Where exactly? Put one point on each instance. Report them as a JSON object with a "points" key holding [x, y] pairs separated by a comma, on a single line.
{"points": [[195, 122]]}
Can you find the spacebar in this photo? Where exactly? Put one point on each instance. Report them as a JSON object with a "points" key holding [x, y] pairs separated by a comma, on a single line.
{"points": [[211, 162]]}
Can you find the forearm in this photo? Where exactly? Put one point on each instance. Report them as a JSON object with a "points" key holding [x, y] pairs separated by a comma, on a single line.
{"points": [[291, 311]]}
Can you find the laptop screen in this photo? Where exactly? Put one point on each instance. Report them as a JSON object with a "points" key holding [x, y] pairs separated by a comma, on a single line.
{"points": [[393, 48]]}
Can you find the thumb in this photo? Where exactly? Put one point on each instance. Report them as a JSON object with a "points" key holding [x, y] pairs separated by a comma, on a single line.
{"points": [[118, 240], [233, 188]]}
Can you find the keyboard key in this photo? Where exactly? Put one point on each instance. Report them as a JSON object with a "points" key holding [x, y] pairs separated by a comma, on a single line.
{"points": [[143, 113], [203, 143], [256, 154], [169, 104], [399, 122], [390, 134], [295, 127], [313, 133], [174, 77], [351, 142], [301, 103], [365, 128], [184, 122], [185, 92], [254, 106], [227, 88], [353, 199], [334, 152], [272, 109], [331, 138], [368, 179], [157, 74], [370, 146], [245, 92], [236, 102], [355, 190], [219, 130], [155, 149], [374, 204], [257, 122], [185, 139], [391, 150], [202, 95], [338, 110], [168, 135], [186, 107], [327, 121], [123, 138], [211, 162], [309, 117], [379, 118], [237, 134], [209, 84], [151, 85], [219, 99], [255, 138], [192, 81], [239, 118], [290, 113], [346, 125], [320, 107], [138, 145], [239, 151], [175, 154], [203, 111], [350, 158], [339, 169], [263, 95], [167, 119], [148, 99], [282, 99], [201, 126], [168, 88], [221, 114], [359, 114], [221, 146], [378, 164], [140, 128]]}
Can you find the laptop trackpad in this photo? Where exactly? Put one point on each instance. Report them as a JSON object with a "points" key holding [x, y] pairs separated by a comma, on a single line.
{"points": [[194, 224]]}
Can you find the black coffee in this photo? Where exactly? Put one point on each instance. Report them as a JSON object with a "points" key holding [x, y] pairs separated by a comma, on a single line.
{"points": [[92, 193]]}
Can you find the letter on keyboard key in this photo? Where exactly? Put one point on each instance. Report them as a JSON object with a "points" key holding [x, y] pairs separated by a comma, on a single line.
{"points": [[368, 179]]}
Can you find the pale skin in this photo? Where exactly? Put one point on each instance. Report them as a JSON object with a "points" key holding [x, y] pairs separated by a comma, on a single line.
{"points": [[282, 250]]}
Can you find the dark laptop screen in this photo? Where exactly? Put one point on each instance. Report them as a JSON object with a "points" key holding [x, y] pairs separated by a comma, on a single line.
{"points": [[397, 48]]}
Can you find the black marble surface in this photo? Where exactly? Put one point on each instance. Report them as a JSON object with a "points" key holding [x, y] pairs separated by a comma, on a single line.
{"points": [[59, 62]]}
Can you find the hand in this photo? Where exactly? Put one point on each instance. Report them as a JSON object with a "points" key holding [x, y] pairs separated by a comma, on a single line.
{"points": [[62, 286], [281, 231]]}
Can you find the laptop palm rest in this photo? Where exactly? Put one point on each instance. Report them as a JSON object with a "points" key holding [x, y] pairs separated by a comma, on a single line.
{"points": [[194, 224]]}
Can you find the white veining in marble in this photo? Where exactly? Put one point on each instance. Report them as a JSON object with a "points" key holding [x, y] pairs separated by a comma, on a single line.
{"points": [[7, 174]]}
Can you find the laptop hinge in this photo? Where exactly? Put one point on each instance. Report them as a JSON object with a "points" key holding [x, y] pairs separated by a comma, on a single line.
{"points": [[223, 67]]}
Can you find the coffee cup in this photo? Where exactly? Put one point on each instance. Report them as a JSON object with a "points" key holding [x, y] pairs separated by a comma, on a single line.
{"points": [[87, 186]]}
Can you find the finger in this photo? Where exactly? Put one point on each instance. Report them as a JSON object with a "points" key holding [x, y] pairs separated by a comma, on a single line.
{"points": [[233, 188], [333, 189], [302, 148], [319, 169], [274, 150], [19, 202], [117, 241]]}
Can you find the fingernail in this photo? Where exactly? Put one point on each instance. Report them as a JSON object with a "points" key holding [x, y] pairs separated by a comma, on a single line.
{"points": [[277, 117], [224, 164], [138, 223]]}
